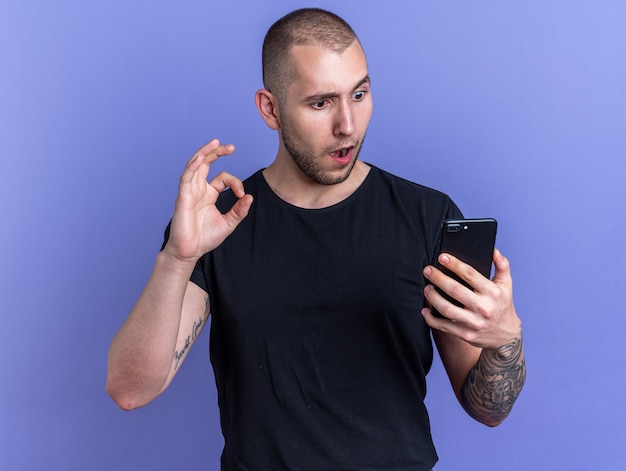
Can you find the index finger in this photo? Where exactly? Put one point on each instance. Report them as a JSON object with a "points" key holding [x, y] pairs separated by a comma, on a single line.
{"points": [[210, 152], [464, 271]]}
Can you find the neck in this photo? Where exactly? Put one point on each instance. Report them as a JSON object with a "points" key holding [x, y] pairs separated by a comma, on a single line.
{"points": [[292, 186]]}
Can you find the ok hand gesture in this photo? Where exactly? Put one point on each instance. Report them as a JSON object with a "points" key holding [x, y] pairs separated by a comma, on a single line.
{"points": [[198, 226]]}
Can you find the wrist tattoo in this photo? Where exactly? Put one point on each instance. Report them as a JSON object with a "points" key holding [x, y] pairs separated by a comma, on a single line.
{"points": [[495, 382]]}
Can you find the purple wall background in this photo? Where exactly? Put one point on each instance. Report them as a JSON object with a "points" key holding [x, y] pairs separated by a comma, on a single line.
{"points": [[516, 109]]}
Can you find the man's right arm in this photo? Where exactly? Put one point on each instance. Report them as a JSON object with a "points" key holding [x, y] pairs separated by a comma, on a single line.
{"points": [[151, 345]]}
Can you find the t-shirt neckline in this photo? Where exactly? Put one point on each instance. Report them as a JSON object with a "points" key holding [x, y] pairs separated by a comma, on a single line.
{"points": [[361, 188]]}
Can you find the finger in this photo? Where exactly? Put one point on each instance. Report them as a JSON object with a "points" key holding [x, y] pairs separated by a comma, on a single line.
{"points": [[209, 153], [214, 150], [448, 285], [238, 212], [442, 324], [196, 161], [226, 180], [456, 329], [433, 321], [205, 149], [502, 268], [203, 158], [442, 305], [464, 271]]}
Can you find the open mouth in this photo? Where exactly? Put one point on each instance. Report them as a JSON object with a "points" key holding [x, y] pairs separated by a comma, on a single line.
{"points": [[342, 153]]}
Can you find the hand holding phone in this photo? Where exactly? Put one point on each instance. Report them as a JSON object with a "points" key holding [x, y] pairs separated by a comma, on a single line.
{"points": [[470, 240]]}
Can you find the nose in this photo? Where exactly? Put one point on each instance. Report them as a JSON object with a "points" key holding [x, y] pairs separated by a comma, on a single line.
{"points": [[344, 120]]}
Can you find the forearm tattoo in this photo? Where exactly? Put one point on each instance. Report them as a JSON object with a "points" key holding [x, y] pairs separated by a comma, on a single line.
{"points": [[494, 384], [195, 331]]}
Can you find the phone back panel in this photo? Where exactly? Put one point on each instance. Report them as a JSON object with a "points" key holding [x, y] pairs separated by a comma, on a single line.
{"points": [[471, 241]]}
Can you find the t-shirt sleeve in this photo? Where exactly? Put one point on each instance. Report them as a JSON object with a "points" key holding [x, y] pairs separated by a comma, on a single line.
{"points": [[197, 276], [451, 212]]}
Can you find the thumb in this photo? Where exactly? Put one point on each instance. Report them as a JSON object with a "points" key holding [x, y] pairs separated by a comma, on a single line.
{"points": [[502, 266], [238, 212]]}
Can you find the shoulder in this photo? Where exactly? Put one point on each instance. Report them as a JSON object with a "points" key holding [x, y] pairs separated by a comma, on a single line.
{"points": [[412, 193]]}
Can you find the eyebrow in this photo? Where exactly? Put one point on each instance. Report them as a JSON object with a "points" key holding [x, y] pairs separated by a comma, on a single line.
{"points": [[325, 96]]}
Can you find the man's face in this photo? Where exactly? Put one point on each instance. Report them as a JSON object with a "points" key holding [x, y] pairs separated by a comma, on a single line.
{"points": [[326, 111]]}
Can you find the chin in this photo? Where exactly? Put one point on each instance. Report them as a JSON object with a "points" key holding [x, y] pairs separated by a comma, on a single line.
{"points": [[336, 177]]}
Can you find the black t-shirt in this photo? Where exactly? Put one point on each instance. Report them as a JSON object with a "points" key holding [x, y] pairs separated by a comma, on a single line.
{"points": [[317, 342]]}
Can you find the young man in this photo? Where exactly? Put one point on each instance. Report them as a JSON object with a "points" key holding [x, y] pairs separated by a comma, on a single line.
{"points": [[317, 271]]}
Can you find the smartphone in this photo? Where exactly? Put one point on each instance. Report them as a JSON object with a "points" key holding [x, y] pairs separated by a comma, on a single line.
{"points": [[470, 240]]}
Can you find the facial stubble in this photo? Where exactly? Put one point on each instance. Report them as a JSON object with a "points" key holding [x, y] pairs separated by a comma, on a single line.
{"points": [[308, 164]]}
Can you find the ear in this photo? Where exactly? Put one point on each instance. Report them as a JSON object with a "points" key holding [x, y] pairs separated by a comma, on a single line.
{"points": [[268, 108]]}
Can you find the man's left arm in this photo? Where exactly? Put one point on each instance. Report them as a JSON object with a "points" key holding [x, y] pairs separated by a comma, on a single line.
{"points": [[480, 344]]}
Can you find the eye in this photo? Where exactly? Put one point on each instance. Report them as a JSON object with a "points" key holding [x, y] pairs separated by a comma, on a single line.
{"points": [[358, 96], [318, 105]]}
